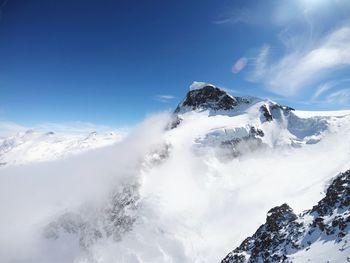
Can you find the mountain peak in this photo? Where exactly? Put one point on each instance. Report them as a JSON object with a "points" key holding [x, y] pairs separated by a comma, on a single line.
{"points": [[196, 85], [207, 96]]}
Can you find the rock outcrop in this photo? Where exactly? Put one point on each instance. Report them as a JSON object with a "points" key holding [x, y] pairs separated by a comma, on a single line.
{"points": [[285, 233], [208, 97]]}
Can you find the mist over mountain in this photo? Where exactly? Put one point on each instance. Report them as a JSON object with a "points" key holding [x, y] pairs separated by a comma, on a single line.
{"points": [[189, 185], [175, 131]]}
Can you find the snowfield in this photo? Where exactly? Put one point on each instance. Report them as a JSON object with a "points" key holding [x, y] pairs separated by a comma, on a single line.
{"points": [[190, 191], [34, 146]]}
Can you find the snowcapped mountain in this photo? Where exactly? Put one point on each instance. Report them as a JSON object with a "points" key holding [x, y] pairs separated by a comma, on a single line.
{"points": [[247, 119], [33, 146], [191, 186]]}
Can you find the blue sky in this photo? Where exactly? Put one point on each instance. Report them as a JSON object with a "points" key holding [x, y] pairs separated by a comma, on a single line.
{"points": [[114, 62]]}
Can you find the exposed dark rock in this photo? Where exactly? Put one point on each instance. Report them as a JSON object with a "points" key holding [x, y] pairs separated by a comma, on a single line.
{"points": [[208, 97], [285, 233], [266, 243], [256, 132], [272, 111], [265, 111], [278, 217], [337, 196]]}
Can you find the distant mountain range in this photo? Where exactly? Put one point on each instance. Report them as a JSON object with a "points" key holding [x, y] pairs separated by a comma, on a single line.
{"points": [[34, 146]]}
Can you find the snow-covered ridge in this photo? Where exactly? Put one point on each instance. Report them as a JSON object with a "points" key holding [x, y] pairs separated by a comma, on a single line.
{"points": [[34, 146], [279, 125], [318, 234]]}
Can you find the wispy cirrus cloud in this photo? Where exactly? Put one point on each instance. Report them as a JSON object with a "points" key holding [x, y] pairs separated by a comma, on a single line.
{"points": [[164, 98], [340, 97], [324, 88], [260, 64], [321, 89], [243, 15], [312, 47], [297, 69]]}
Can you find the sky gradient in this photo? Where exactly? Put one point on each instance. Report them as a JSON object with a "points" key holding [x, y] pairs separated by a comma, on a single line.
{"points": [[114, 62]]}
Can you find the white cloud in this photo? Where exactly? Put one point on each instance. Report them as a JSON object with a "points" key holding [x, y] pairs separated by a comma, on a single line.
{"points": [[300, 68], [164, 98], [321, 90], [243, 15], [260, 63], [40, 191], [341, 97]]}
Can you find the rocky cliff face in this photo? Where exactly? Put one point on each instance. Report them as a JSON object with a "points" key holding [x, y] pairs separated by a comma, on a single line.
{"points": [[284, 233], [208, 97]]}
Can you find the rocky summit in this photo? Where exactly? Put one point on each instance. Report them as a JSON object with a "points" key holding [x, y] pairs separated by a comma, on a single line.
{"points": [[208, 97]]}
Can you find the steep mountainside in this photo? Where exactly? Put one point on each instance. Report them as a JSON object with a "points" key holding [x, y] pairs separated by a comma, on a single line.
{"points": [[191, 186]]}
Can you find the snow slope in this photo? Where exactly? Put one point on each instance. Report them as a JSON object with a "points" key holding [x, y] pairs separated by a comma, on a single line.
{"points": [[188, 191], [32, 146]]}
